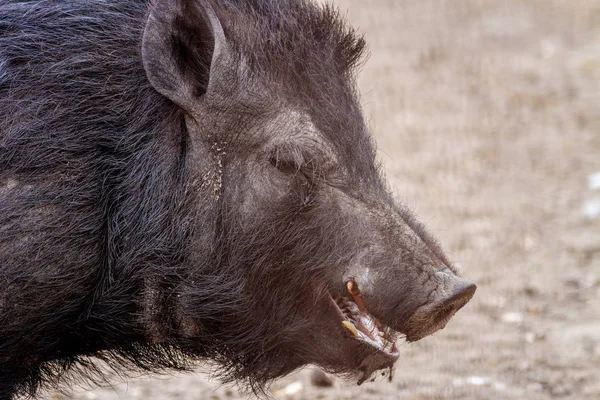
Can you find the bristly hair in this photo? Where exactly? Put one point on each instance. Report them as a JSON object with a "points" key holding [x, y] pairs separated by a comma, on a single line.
{"points": [[83, 132], [291, 38]]}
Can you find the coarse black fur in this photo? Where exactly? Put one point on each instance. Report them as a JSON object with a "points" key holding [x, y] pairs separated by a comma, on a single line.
{"points": [[130, 234], [100, 161]]}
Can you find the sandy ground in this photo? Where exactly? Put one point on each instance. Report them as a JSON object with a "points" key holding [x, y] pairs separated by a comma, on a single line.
{"points": [[487, 115]]}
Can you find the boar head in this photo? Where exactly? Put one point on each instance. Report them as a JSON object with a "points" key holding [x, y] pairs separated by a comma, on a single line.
{"points": [[304, 256]]}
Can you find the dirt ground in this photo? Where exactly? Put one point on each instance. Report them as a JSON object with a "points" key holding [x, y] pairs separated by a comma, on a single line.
{"points": [[487, 115]]}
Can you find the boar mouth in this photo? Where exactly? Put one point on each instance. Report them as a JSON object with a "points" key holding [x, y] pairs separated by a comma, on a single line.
{"points": [[362, 326], [368, 332]]}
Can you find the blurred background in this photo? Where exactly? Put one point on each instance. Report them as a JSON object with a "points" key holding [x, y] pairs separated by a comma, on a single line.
{"points": [[487, 117]]}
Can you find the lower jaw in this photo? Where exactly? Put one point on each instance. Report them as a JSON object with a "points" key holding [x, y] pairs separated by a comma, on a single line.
{"points": [[377, 360], [376, 344]]}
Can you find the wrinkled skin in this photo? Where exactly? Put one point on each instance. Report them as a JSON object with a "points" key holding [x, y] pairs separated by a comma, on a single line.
{"points": [[188, 181]]}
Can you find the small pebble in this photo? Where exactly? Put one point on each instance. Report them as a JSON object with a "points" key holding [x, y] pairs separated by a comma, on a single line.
{"points": [[591, 209], [289, 391], [594, 181], [512, 317], [478, 380]]}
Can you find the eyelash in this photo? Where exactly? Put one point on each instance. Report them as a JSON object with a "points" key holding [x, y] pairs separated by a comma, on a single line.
{"points": [[284, 166], [293, 168]]}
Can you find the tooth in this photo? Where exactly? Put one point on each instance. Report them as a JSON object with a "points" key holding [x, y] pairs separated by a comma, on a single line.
{"points": [[350, 327], [352, 288]]}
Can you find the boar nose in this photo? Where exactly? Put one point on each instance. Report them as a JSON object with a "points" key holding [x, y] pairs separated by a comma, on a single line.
{"points": [[452, 294], [459, 294]]}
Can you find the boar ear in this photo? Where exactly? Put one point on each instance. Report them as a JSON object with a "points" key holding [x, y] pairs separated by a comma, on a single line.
{"points": [[183, 41]]}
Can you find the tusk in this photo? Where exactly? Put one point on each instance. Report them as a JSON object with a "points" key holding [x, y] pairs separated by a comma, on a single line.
{"points": [[350, 327], [352, 288]]}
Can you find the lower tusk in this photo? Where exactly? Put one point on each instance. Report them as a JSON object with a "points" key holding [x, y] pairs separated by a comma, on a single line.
{"points": [[350, 328]]}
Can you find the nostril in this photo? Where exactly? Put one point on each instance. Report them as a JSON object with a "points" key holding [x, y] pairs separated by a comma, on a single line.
{"points": [[463, 291], [434, 316]]}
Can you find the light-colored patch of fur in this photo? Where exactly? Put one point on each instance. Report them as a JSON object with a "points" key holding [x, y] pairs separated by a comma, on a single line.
{"points": [[7, 184]]}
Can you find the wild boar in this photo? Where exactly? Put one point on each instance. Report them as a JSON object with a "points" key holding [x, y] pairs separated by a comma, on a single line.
{"points": [[187, 181]]}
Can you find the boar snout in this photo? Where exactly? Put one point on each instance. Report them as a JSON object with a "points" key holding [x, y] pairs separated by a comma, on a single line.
{"points": [[450, 296]]}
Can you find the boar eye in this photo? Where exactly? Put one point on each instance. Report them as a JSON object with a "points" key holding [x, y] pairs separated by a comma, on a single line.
{"points": [[283, 165], [293, 161]]}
